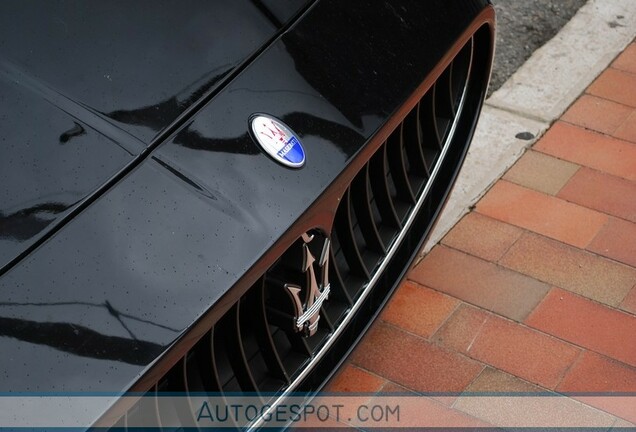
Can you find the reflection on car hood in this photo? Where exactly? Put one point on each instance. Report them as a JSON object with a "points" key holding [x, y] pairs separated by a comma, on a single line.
{"points": [[93, 307], [85, 87]]}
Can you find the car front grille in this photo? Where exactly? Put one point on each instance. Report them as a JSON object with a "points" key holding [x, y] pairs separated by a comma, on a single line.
{"points": [[379, 224]]}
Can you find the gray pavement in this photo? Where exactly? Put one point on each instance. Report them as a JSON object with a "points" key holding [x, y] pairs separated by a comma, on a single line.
{"points": [[524, 26], [542, 88]]}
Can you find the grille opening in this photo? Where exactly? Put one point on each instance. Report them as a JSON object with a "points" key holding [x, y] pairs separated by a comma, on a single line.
{"points": [[254, 347]]}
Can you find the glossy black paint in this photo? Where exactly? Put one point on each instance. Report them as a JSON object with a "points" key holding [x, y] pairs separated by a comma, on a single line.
{"points": [[93, 306], [85, 87]]}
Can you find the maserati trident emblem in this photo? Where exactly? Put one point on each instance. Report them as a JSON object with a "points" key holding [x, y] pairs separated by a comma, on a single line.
{"points": [[307, 313], [277, 140]]}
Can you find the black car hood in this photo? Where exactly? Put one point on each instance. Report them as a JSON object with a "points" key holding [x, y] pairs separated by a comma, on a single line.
{"points": [[98, 302], [85, 87]]}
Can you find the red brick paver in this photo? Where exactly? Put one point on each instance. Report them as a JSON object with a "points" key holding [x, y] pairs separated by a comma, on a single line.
{"points": [[587, 324], [541, 172], [535, 290], [591, 149], [523, 352], [418, 309], [598, 114], [433, 413], [482, 237], [629, 303], [480, 282], [516, 349], [355, 380], [627, 60], [413, 362], [460, 331], [602, 192], [616, 85], [597, 374], [558, 264], [610, 242], [627, 131], [542, 213]]}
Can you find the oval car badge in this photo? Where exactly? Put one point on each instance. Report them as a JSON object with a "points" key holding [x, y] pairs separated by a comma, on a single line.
{"points": [[278, 140]]}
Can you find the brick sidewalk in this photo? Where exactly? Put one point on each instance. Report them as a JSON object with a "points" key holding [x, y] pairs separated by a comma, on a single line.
{"points": [[536, 288]]}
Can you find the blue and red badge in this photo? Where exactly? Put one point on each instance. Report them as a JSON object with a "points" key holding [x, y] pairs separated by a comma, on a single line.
{"points": [[278, 140]]}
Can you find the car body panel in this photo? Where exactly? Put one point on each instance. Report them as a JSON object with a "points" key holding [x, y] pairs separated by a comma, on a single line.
{"points": [[111, 291], [87, 87]]}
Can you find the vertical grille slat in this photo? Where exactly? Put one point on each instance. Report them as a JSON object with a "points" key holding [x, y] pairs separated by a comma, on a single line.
{"points": [[134, 416], [337, 305], [264, 336], [378, 177], [299, 344], [293, 355], [345, 228], [431, 141], [412, 136], [155, 395], [231, 329], [122, 423], [399, 171], [194, 381], [362, 206], [201, 370], [338, 287], [454, 71], [173, 382], [443, 105], [325, 320], [460, 68], [439, 121]]}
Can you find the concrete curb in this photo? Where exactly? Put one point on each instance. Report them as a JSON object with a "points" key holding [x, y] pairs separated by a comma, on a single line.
{"points": [[535, 96]]}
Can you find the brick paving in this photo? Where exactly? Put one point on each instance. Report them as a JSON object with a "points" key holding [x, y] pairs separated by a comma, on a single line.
{"points": [[534, 290]]}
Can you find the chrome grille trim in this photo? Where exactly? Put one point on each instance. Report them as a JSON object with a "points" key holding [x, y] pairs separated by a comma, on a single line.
{"points": [[391, 250]]}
